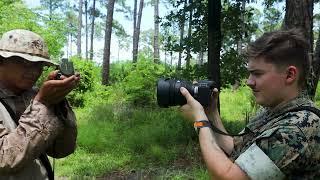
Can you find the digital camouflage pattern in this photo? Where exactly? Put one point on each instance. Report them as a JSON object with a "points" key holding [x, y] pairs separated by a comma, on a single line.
{"points": [[291, 141]]}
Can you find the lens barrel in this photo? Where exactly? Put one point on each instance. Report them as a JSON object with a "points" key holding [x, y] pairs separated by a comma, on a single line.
{"points": [[168, 92]]}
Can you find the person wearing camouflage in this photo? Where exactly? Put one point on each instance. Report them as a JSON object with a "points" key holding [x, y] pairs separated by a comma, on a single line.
{"points": [[34, 122], [283, 140]]}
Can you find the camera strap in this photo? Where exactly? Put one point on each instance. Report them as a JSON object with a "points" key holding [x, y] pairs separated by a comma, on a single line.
{"points": [[300, 108]]}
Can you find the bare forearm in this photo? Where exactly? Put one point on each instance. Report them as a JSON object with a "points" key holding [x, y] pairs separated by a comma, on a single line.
{"points": [[218, 164], [225, 142]]}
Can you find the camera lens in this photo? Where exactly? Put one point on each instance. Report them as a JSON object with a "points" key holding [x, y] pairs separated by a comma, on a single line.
{"points": [[168, 92], [163, 91]]}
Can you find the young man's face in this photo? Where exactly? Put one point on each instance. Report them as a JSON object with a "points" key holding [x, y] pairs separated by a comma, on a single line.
{"points": [[267, 82], [19, 75]]}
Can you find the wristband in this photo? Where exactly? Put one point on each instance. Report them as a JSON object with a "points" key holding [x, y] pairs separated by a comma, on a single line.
{"points": [[200, 124]]}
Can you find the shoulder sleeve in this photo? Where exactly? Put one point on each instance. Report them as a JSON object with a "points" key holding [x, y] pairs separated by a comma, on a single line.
{"points": [[258, 165]]}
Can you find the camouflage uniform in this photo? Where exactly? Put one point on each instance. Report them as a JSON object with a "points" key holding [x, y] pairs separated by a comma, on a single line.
{"points": [[41, 129], [291, 141]]}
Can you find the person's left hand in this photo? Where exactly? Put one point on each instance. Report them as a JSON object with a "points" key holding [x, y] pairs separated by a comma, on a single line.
{"points": [[53, 91], [193, 110]]}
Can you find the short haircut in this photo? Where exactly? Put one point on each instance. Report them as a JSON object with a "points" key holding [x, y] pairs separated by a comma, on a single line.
{"points": [[283, 48]]}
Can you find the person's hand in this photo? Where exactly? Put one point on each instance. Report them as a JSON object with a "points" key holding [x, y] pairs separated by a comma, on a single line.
{"points": [[53, 91], [213, 106], [193, 110]]}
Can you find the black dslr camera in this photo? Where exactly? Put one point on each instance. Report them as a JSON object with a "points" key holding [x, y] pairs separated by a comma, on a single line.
{"points": [[168, 92]]}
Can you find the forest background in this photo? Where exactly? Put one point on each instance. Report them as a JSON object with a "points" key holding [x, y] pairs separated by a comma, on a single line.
{"points": [[122, 131]]}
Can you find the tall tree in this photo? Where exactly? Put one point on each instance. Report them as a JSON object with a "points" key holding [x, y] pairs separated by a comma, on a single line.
{"points": [[52, 5], [93, 16], [242, 10], [136, 32], [107, 43], [181, 25], [156, 53], [86, 26], [71, 20], [188, 58], [79, 29], [214, 41], [299, 14], [135, 10]]}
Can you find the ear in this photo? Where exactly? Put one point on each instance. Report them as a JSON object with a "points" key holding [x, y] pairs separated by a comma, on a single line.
{"points": [[292, 74]]}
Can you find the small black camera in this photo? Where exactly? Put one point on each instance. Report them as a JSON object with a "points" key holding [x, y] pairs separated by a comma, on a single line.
{"points": [[168, 92]]}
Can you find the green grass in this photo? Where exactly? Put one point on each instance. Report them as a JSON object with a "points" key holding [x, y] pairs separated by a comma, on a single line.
{"points": [[235, 107], [121, 138], [157, 143]]}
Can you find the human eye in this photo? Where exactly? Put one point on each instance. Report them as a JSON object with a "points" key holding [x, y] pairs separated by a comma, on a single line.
{"points": [[256, 73]]}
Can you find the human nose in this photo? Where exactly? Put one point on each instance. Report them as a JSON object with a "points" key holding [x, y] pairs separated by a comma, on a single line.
{"points": [[250, 81]]}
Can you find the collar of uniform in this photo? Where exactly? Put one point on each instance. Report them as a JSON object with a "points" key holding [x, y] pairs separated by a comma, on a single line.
{"points": [[266, 115], [5, 93]]}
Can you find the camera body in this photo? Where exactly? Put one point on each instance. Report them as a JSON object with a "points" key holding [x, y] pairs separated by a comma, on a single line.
{"points": [[168, 92]]}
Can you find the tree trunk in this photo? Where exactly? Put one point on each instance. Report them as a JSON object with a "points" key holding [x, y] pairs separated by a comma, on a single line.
{"points": [[171, 58], [79, 30], [316, 64], [156, 54], [299, 14], [68, 44], [189, 36], [86, 27], [137, 32], [92, 29], [71, 44], [107, 43], [181, 24], [200, 60], [214, 42], [239, 43], [50, 10], [134, 29]]}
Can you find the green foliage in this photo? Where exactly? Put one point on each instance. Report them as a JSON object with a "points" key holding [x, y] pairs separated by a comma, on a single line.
{"points": [[140, 83], [236, 107], [125, 137], [194, 72], [317, 96], [119, 137], [232, 68], [88, 73], [119, 70], [238, 25], [23, 18]]}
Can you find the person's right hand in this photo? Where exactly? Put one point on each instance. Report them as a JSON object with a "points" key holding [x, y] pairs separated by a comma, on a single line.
{"points": [[54, 91], [193, 110]]}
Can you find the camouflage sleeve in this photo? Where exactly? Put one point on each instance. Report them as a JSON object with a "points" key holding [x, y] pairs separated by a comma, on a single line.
{"points": [[284, 145], [65, 142], [38, 126]]}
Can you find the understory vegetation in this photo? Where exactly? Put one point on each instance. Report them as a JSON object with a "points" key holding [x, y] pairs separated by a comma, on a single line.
{"points": [[122, 132]]}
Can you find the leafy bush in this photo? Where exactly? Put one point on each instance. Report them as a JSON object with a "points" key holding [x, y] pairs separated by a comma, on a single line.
{"points": [[236, 107], [120, 70], [89, 75], [232, 67], [140, 84]]}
